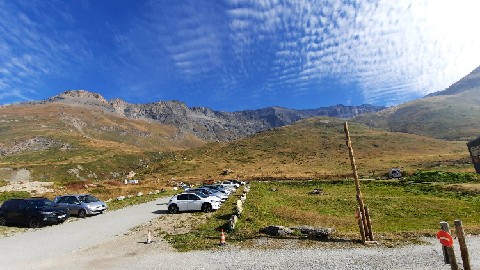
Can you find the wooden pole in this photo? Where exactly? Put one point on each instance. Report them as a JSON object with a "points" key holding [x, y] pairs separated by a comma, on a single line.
{"points": [[463, 244], [360, 226], [449, 250], [355, 176], [369, 223]]}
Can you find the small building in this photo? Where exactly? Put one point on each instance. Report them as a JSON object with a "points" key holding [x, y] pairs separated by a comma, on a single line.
{"points": [[474, 149]]}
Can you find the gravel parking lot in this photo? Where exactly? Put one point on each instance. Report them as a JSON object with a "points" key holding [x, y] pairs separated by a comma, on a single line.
{"points": [[116, 240]]}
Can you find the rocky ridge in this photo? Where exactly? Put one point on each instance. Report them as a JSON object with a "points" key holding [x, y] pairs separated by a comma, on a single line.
{"points": [[203, 122]]}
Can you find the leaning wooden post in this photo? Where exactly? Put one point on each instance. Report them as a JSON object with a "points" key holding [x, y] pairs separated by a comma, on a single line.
{"points": [[448, 251], [369, 223], [463, 244], [360, 225], [357, 181]]}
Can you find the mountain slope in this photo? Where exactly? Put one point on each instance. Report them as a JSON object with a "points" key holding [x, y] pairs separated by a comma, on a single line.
{"points": [[452, 114], [204, 123], [314, 148], [53, 139]]}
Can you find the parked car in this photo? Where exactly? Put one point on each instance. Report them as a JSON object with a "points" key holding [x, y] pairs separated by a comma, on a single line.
{"points": [[82, 204], [241, 183], [34, 212], [219, 188], [209, 192], [230, 184], [192, 202]]}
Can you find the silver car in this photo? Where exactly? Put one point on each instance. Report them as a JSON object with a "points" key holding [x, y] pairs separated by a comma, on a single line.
{"points": [[82, 204]]}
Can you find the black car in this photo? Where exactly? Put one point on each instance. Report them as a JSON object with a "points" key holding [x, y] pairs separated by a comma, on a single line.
{"points": [[34, 212]]}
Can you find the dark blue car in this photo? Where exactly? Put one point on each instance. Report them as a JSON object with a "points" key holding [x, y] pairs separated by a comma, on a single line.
{"points": [[34, 212]]}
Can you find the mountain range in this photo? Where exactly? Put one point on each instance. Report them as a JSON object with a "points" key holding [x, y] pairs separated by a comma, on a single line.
{"points": [[204, 123], [80, 135]]}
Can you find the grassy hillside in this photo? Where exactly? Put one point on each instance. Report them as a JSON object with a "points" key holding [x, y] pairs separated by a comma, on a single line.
{"points": [[86, 144], [59, 142], [452, 114], [315, 148]]}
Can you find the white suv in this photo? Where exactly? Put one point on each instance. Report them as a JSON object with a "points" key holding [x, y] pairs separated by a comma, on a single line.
{"points": [[229, 184], [192, 202]]}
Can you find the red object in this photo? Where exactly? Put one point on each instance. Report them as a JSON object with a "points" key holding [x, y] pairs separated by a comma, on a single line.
{"points": [[222, 239], [445, 238]]}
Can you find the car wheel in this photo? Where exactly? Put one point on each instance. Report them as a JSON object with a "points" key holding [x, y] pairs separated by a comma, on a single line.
{"points": [[3, 221], [206, 207], [172, 209], [34, 223], [82, 213]]}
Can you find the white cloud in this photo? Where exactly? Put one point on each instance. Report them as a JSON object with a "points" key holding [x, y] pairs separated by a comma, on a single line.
{"points": [[392, 50], [31, 50]]}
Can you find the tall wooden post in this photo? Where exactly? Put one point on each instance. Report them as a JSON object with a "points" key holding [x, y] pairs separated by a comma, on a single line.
{"points": [[463, 244], [448, 251], [366, 226]]}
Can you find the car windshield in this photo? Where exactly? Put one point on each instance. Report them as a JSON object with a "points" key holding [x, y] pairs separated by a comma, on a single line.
{"points": [[41, 203], [88, 199]]}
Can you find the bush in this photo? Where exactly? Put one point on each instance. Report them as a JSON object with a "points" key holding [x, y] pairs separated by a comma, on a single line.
{"points": [[13, 194], [444, 177]]}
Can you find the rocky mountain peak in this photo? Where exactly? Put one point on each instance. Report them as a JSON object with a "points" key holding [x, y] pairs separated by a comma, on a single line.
{"points": [[80, 97], [204, 122]]}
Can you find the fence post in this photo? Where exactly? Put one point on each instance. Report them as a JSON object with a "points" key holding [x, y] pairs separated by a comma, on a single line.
{"points": [[448, 251], [463, 244], [360, 225], [369, 223]]}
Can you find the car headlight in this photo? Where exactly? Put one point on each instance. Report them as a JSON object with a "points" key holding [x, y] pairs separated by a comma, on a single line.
{"points": [[46, 213]]}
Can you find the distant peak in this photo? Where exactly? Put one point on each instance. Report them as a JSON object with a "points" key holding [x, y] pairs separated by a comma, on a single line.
{"points": [[79, 97], [81, 94]]}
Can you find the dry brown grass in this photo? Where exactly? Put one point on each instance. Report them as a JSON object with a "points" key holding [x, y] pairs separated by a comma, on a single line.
{"points": [[315, 148]]}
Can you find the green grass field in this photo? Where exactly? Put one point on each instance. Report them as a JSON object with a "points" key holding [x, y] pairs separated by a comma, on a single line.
{"points": [[399, 210]]}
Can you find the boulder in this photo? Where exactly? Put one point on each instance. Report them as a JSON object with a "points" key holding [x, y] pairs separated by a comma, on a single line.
{"points": [[280, 231], [232, 222], [120, 198], [139, 194]]}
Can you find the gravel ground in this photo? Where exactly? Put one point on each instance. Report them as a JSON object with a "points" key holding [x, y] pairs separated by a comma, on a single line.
{"points": [[116, 240], [410, 257], [25, 250]]}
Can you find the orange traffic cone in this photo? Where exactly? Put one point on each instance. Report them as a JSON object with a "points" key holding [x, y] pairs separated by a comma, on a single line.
{"points": [[222, 239]]}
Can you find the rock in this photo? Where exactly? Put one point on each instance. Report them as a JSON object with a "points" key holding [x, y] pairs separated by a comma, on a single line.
{"points": [[273, 189], [157, 191], [130, 196], [139, 194], [317, 191], [232, 222], [151, 193], [226, 172], [120, 198], [280, 231], [314, 232]]}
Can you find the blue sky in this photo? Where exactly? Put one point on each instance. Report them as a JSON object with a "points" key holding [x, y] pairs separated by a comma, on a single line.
{"points": [[237, 54]]}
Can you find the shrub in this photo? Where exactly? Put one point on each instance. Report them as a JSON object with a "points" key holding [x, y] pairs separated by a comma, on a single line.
{"points": [[445, 177], [13, 194]]}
